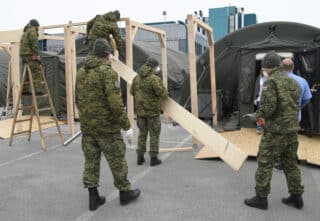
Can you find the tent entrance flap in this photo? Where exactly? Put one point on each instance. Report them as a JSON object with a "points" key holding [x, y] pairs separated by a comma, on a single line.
{"points": [[247, 78], [307, 65]]}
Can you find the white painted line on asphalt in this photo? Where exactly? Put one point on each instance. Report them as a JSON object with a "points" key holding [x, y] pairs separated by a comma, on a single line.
{"points": [[86, 216], [28, 156]]}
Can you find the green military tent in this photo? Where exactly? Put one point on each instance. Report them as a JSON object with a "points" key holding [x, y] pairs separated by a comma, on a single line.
{"points": [[54, 67], [238, 61]]}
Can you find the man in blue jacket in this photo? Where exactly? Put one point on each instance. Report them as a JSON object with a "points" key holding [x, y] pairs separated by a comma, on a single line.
{"points": [[306, 95]]}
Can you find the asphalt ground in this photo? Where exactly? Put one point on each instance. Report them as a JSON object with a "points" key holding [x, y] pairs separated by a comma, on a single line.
{"points": [[47, 186]]}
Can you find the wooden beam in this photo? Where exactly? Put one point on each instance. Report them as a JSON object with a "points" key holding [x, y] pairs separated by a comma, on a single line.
{"points": [[78, 30], [227, 151], [63, 25], [175, 149], [15, 74], [193, 68], [7, 48], [201, 24], [193, 22], [68, 78], [74, 70], [147, 28], [129, 62], [9, 88], [163, 43], [212, 80], [134, 30]]}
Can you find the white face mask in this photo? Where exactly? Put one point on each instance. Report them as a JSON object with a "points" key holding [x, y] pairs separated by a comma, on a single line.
{"points": [[265, 74], [158, 69]]}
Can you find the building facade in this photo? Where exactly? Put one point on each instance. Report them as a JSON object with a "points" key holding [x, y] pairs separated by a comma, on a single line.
{"points": [[176, 36], [229, 19]]}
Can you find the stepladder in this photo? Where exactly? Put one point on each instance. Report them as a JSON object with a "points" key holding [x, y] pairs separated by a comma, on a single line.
{"points": [[33, 109]]}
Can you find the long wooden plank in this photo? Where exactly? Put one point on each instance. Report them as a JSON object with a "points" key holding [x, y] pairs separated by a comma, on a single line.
{"points": [[212, 79], [129, 62], [6, 125], [193, 69], [68, 75], [15, 74], [227, 151], [175, 149]]}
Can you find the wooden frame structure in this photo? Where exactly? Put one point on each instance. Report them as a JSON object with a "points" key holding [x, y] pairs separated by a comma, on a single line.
{"points": [[193, 23], [232, 155], [132, 28], [71, 31]]}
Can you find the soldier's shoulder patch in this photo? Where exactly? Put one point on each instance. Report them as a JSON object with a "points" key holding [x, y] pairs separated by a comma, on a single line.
{"points": [[117, 84]]}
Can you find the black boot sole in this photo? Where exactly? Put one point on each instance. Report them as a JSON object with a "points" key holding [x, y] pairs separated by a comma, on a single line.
{"points": [[292, 204], [96, 205], [262, 207], [126, 202], [141, 162]]}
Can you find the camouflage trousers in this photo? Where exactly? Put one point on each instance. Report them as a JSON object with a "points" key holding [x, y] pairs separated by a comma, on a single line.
{"points": [[153, 126], [282, 147], [114, 150], [36, 75]]}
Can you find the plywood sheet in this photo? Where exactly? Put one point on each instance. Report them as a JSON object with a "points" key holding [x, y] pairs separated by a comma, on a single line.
{"points": [[248, 140], [6, 125], [312, 149], [174, 149], [206, 153]]}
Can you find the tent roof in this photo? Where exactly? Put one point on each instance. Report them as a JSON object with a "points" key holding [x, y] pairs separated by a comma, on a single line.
{"points": [[259, 35]]}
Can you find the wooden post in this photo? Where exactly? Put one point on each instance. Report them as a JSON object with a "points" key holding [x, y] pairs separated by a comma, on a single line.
{"points": [[74, 72], [193, 69], [9, 88], [15, 74], [163, 43], [69, 81], [129, 61], [212, 79], [193, 22]]}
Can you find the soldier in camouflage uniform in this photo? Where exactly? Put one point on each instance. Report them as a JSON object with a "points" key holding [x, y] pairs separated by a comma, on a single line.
{"points": [[29, 52], [278, 114], [148, 91], [102, 26], [101, 118]]}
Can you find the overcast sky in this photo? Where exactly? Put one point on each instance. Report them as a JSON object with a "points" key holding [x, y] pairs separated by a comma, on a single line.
{"points": [[16, 13]]}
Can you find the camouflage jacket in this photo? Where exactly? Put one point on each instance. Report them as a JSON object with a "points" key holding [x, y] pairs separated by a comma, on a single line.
{"points": [[280, 103], [98, 99], [148, 91], [29, 41], [101, 27]]}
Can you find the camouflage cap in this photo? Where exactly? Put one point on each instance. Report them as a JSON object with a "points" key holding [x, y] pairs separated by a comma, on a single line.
{"points": [[34, 22], [102, 48], [152, 62], [271, 60], [116, 14]]}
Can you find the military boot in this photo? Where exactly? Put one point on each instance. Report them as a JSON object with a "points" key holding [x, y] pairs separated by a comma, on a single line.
{"points": [[257, 202], [140, 159], [155, 161], [294, 200], [128, 196], [94, 199]]}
